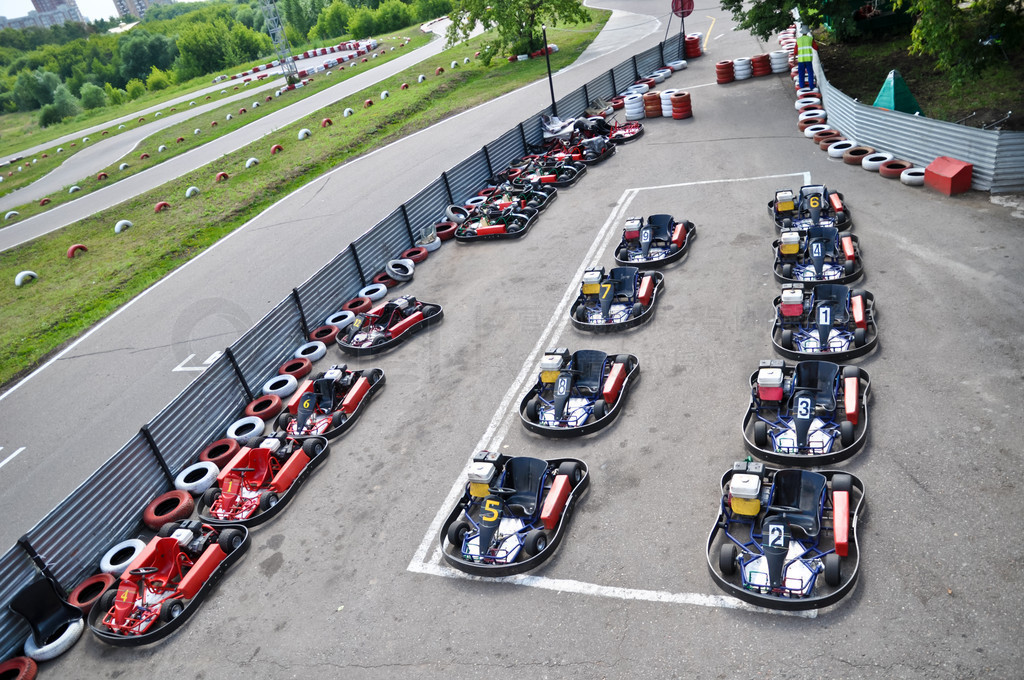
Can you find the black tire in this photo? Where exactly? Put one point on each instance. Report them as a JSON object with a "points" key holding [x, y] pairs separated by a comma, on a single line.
{"points": [[842, 482], [571, 470], [171, 609], [106, 601], [673, 248], [311, 447], [856, 293], [536, 542], [638, 310], [268, 500], [622, 253], [581, 313], [624, 359], [833, 569], [210, 496], [167, 529], [786, 341], [860, 337], [283, 420], [787, 223], [532, 410], [727, 559], [787, 271], [231, 539], [848, 267], [600, 410], [851, 372], [846, 432], [456, 533], [760, 434]]}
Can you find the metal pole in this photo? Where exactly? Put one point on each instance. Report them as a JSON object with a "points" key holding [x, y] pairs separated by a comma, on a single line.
{"points": [[551, 82]]}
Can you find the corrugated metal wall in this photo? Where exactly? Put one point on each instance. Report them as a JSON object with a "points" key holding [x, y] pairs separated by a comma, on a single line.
{"points": [[427, 207], [506, 149], [624, 75], [382, 243], [997, 155], [468, 177], [16, 572], [325, 292], [572, 104], [265, 346], [602, 87], [648, 61]]}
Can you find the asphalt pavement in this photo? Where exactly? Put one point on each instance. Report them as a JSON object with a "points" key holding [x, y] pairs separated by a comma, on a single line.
{"points": [[347, 584]]}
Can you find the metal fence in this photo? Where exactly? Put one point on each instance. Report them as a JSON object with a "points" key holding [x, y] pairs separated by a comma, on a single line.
{"points": [[997, 155], [107, 507]]}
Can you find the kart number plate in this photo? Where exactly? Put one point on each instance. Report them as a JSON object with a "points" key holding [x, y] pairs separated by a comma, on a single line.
{"points": [[358, 323], [562, 386], [776, 536], [606, 291], [825, 315], [816, 249], [814, 202], [645, 236], [803, 408]]}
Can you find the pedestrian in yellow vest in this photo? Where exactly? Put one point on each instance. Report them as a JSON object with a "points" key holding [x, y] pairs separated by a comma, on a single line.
{"points": [[804, 54]]}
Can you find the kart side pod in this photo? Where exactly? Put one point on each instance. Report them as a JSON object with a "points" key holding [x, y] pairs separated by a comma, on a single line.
{"points": [[613, 383], [841, 521], [356, 394], [646, 291], [554, 502]]}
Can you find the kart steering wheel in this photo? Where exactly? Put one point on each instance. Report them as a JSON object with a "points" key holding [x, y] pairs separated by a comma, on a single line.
{"points": [[242, 469], [501, 491], [143, 571]]}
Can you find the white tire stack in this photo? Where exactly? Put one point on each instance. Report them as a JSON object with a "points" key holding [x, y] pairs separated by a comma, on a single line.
{"points": [[742, 69], [634, 107], [666, 102], [780, 61]]}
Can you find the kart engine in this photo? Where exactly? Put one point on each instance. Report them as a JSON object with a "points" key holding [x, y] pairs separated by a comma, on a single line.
{"points": [[592, 281], [745, 488], [189, 535], [551, 364]]}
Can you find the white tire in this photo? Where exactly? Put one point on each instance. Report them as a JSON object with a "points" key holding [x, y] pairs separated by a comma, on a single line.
{"points": [[66, 641], [375, 291], [162, 148], [873, 161], [804, 101], [122, 225], [123, 166], [74, 189], [420, 78], [314, 351], [635, 116], [243, 428], [475, 201], [808, 92], [280, 385], [812, 130], [677, 65], [837, 149], [400, 270], [10, 214], [384, 94], [348, 112], [812, 113], [304, 133], [431, 246], [133, 546], [455, 64], [341, 319], [196, 131], [191, 191], [456, 213], [199, 477], [251, 162], [912, 177], [25, 277]]}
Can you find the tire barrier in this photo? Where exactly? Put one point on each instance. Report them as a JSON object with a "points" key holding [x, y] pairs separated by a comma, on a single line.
{"points": [[168, 507], [251, 162], [314, 351], [405, 86], [347, 112], [198, 477], [677, 65], [421, 78], [61, 149], [818, 136], [464, 61], [45, 201], [384, 94], [855, 155], [634, 105], [213, 123], [122, 225], [228, 117], [142, 120], [341, 320], [438, 71], [161, 206], [243, 428], [779, 60], [724, 72], [73, 250], [101, 176], [324, 334], [417, 255], [455, 64], [826, 142], [179, 140], [85, 595], [196, 131], [304, 133], [813, 112], [681, 106], [892, 169], [162, 148], [431, 245], [368, 103], [652, 104], [400, 270], [873, 162], [742, 69], [280, 386], [326, 122], [255, 105], [691, 45], [143, 156], [297, 368], [912, 177], [812, 130], [374, 291], [220, 452], [19, 668], [74, 189], [24, 277], [446, 230], [242, 110], [265, 407], [221, 176], [358, 305], [761, 65], [383, 278], [191, 191], [837, 149], [274, 149], [86, 139], [804, 101], [10, 214], [120, 555]]}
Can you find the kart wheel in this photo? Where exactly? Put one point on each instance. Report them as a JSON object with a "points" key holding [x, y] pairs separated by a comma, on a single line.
{"points": [[600, 409], [167, 529], [760, 434], [860, 337], [581, 314], [533, 410], [638, 310], [727, 559], [210, 496], [833, 569], [457, 534], [848, 267], [312, 447], [857, 291], [622, 253], [231, 539], [842, 482], [535, 543], [106, 601], [846, 432], [268, 500], [171, 609], [787, 339], [673, 248], [572, 471], [851, 371], [283, 420], [623, 359], [787, 271], [787, 223]]}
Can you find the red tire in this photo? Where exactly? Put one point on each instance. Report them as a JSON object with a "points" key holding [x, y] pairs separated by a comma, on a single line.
{"points": [[358, 305], [383, 277], [856, 155], [221, 176], [446, 230], [894, 168], [417, 255], [179, 140], [325, 122], [84, 596], [274, 149], [162, 205], [168, 507], [297, 368], [325, 334], [828, 141], [823, 134], [220, 452], [44, 201], [23, 668], [143, 156], [265, 407], [74, 249], [102, 175]]}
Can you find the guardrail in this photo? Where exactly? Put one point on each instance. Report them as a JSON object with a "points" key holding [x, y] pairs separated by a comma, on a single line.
{"points": [[107, 507], [997, 155]]}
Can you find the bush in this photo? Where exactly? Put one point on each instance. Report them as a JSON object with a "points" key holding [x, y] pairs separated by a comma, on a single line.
{"points": [[157, 80], [362, 23], [135, 88], [67, 104], [115, 96], [49, 116], [93, 96], [393, 14]]}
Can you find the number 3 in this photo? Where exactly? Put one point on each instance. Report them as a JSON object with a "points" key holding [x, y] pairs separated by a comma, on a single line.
{"points": [[803, 408], [491, 507]]}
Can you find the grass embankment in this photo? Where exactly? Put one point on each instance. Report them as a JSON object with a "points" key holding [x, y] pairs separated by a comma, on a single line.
{"points": [[185, 130], [71, 295]]}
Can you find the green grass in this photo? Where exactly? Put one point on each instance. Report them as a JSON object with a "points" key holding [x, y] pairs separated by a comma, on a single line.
{"points": [[185, 130], [71, 295]]}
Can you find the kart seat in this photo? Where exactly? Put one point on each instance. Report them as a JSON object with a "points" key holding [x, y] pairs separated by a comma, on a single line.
{"points": [[624, 281], [828, 236], [324, 390], [796, 498], [44, 608], [661, 226], [819, 377], [835, 296], [527, 477], [590, 364]]}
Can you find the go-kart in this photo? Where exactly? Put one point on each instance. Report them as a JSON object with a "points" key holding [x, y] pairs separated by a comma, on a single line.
{"points": [[619, 299], [539, 171], [817, 254], [828, 321], [329, 403], [806, 414], [387, 325], [260, 480], [578, 393], [509, 195], [813, 205], [655, 243], [513, 513], [492, 223], [786, 539], [167, 582]]}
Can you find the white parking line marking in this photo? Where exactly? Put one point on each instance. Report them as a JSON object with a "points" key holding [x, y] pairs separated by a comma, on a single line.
{"points": [[9, 458], [503, 418]]}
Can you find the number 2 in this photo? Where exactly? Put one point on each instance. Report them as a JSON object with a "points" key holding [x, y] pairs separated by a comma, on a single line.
{"points": [[491, 507], [776, 536], [803, 408]]}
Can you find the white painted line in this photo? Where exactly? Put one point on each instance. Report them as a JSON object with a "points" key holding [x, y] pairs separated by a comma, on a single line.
{"points": [[9, 458], [504, 416], [581, 588]]}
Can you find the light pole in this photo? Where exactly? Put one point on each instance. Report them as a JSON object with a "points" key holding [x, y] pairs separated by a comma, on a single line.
{"points": [[547, 58]]}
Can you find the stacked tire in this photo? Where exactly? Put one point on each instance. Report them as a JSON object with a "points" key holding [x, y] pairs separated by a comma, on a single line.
{"points": [[652, 104], [779, 60], [681, 106], [724, 72], [634, 106], [691, 45], [666, 103], [742, 68], [761, 65]]}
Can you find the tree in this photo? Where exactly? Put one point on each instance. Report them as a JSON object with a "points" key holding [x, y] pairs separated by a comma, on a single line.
{"points": [[333, 20], [517, 22], [35, 89], [93, 96], [764, 18], [115, 96], [362, 23], [202, 48], [67, 104], [157, 80], [49, 116], [425, 10], [141, 50], [393, 14], [247, 44], [135, 88]]}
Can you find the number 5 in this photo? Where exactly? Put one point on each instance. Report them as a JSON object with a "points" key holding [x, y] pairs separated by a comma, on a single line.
{"points": [[491, 507]]}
